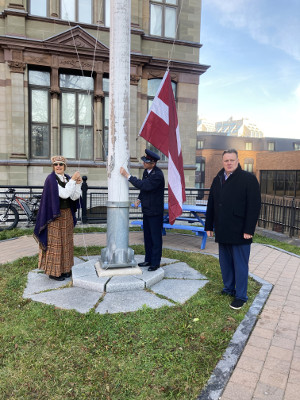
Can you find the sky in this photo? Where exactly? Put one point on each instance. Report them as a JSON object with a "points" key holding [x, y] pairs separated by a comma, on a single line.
{"points": [[253, 49]]}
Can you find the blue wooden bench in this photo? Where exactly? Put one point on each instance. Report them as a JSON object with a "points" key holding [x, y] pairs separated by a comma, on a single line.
{"points": [[199, 230]]}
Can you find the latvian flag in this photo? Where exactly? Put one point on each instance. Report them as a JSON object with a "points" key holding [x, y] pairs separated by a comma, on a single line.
{"points": [[160, 128]]}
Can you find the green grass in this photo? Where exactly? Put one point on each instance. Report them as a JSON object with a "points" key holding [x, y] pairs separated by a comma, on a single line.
{"points": [[282, 245], [168, 353]]}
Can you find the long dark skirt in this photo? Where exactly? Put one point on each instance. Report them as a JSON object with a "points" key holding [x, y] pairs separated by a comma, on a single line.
{"points": [[59, 256]]}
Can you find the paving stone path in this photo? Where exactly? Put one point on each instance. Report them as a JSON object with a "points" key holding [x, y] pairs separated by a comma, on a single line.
{"points": [[269, 365]]}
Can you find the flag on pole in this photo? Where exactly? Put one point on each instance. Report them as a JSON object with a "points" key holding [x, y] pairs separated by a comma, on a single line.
{"points": [[160, 128]]}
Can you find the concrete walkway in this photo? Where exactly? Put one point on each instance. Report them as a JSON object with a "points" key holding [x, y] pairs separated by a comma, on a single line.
{"points": [[269, 367]]}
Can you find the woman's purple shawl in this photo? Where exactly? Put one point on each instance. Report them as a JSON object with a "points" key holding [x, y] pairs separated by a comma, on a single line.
{"points": [[49, 210]]}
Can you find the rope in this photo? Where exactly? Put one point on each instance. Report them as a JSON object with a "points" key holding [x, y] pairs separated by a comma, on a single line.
{"points": [[92, 107]]}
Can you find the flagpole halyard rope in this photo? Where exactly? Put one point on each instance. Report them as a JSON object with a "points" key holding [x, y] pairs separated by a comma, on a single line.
{"points": [[92, 107]]}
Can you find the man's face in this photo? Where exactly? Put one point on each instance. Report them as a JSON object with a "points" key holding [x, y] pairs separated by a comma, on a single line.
{"points": [[230, 162], [148, 165]]}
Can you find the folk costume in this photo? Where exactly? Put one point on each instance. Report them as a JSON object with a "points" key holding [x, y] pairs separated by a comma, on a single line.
{"points": [[233, 209], [55, 222]]}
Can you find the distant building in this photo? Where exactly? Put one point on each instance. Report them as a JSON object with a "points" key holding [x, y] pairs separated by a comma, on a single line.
{"points": [[232, 127], [277, 152]]}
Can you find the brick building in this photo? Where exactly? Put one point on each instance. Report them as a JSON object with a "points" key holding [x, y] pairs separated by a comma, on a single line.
{"points": [[54, 80], [255, 154]]}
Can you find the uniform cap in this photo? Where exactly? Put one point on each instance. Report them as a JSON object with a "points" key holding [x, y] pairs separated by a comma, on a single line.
{"points": [[150, 156]]}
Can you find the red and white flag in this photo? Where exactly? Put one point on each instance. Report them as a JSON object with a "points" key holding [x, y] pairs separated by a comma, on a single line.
{"points": [[160, 128]]}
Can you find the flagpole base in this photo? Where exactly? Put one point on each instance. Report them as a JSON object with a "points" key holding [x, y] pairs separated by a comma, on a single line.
{"points": [[117, 254]]}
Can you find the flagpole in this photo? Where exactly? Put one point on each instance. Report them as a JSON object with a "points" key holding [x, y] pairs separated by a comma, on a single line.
{"points": [[117, 254]]}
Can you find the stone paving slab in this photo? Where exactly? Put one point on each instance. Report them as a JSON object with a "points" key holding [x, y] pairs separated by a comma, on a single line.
{"points": [[150, 278], [86, 277], [38, 282], [72, 298], [178, 290], [181, 270], [124, 283], [130, 301]]}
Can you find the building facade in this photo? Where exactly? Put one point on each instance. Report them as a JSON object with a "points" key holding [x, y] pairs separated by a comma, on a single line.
{"points": [[54, 82], [231, 127], [255, 155]]}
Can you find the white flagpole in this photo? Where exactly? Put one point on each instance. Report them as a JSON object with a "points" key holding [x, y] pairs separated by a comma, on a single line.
{"points": [[117, 254]]}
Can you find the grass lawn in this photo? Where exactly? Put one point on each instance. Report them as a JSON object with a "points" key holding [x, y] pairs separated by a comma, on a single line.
{"points": [[168, 353]]}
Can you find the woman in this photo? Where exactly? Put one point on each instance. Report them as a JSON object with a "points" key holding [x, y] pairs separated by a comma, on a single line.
{"points": [[56, 220]]}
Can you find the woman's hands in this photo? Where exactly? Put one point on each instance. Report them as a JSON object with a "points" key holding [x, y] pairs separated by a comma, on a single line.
{"points": [[76, 177]]}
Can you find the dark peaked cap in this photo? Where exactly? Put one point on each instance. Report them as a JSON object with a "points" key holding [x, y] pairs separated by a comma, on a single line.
{"points": [[150, 156]]}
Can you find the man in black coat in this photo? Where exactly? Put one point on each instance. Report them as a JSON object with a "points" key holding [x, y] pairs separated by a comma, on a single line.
{"points": [[232, 212], [151, 198]]}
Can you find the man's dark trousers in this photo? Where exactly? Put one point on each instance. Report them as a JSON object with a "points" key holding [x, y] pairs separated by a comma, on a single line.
{"points": [[152, 226], [234, 268]]}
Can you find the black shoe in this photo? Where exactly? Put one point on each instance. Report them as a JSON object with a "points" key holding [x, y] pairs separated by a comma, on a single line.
{"points": [[144, 264], [57, 278], [153, 267], [66, 274], [237, 304]]}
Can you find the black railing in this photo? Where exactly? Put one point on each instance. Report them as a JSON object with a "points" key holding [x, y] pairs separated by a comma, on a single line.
{"points": [[280, 214], [94, 199]]}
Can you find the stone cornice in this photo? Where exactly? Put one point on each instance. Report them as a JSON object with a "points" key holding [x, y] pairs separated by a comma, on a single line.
{"points": [[171, 41], [39, 52]]}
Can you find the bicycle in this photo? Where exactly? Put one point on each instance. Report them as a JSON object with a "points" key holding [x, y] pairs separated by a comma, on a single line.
{"points": [[9, 215]]}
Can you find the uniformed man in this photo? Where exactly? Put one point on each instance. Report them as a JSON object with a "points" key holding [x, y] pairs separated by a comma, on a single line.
{"points": [[151, 198]]}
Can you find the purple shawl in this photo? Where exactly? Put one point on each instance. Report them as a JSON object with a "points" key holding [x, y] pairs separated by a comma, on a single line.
{"points": [[49, 210]]}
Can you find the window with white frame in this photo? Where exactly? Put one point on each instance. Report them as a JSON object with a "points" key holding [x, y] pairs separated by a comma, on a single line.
{"points": [[153, 85], [163, 18], [76, 10], [296, 146], [39, 7], [271, 146], [248, 164], [77, 116], [39, 113], [200, 144], [248, 145]]}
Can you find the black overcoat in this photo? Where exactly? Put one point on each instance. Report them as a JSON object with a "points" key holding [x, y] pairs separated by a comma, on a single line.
{"points": [[151, 187], [233, 207]]}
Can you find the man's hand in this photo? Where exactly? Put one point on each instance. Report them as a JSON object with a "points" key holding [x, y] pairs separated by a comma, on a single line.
{"points": [[210, 233], [124, 172], [247, 236]]}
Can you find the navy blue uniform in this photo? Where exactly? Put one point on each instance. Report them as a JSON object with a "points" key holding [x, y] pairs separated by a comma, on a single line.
{"points": [[152, 200]]}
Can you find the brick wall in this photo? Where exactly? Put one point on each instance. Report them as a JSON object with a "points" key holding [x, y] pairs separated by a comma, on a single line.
{"points": [[285, 160]]}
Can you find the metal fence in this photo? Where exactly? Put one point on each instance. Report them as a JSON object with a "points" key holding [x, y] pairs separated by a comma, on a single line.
{"points": [[94, 199], [280, 214]]}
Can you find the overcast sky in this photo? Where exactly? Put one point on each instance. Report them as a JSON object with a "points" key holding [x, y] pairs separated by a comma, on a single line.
{"points": [[253, 48]]}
